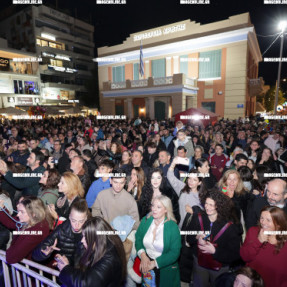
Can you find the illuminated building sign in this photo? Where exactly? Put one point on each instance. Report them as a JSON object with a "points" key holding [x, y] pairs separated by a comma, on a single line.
{"points": [[44, 54], [62, 69], [59, 57], [48, 36], [25, 101], [159, 32], [4, 64], [63, 57]]}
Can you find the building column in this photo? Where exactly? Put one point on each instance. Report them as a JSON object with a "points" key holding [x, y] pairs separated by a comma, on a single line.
{"points": [[111, 110], [175, 65], [168, 67], [130, 108], [146, 70], [151, 107], [167, 103]]}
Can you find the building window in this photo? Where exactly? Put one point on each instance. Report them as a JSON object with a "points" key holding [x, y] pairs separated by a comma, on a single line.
{"points": [[210, 106], [136, 71], [158, 68], [183, 64], [55, 45], [16, 87], [56, 63], [81, 51], [31, 88], [119, 74], [210, 64]]}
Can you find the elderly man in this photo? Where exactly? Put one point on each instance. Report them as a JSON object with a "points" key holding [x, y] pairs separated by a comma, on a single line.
{"points": [[78, 167], [276, 196]]}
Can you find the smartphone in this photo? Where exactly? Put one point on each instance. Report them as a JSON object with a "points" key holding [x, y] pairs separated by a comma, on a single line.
{"points": [[206, 237], [183, 160], [59, 260]]}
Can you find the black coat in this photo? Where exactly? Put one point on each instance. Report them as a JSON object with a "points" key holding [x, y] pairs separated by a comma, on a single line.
{"points": [[150, 158], [167, 191], [127, 168], [186, 253], [64, 211], [228, 247], [66, 243], [105, 273], [64, 163]]}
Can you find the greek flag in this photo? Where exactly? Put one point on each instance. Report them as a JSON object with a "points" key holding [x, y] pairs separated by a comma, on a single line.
{"points": [[141, 70]]}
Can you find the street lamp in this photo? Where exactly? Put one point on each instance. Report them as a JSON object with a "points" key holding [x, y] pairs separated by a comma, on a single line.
{"points": [[282, 26]]}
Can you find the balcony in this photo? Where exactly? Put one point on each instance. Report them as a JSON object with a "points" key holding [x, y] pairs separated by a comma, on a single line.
{"points": [[176, 84], [175, 80], [65, 86]]}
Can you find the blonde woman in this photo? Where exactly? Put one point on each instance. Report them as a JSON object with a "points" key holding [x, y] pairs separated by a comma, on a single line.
{"points": [[32, 218], [70, 190], [158, 244], [232, 185]]}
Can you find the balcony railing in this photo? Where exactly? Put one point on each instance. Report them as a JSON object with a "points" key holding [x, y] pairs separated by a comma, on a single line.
{"points": [[176, 79], [118, 85], [163, 81]]}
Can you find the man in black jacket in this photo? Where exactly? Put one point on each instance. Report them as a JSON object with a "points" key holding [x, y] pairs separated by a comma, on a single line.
{"points": [[276, 196], [64, 160], [137, 161], [66, 238]]}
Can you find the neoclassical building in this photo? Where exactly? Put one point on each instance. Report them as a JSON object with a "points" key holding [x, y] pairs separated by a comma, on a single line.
{"points": [[186, 64]]}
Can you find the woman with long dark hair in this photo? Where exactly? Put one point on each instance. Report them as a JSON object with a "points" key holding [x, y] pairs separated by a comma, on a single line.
{"points": [[191, 193], [202, 165], [253, 150], [266, 158], [156, 185], [216, 249], [265, 248], [115, 153], [103, 262], [259, 180]]}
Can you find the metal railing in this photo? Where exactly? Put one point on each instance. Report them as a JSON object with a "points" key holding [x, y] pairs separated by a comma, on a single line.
{"points": [[20, 274]]}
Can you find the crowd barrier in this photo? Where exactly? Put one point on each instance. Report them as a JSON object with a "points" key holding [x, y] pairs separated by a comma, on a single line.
{"points": [[20, 274]]}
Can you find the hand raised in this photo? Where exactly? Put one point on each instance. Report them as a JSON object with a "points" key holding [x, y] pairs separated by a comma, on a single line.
{"points": [[50, 249]]}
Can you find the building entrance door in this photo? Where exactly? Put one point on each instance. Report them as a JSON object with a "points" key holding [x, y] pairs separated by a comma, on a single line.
{"points": [[159, 110]]}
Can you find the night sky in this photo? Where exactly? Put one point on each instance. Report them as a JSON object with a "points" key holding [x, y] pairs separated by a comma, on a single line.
{"points": [[114, 23]]}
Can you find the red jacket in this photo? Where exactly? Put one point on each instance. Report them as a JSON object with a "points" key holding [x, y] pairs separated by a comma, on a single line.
{"points": [[89, 131], [271, 266], [23, 245], [219, 162]]}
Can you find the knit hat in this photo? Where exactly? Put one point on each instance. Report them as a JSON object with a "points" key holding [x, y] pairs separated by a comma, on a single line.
{"points": [[124, 224], [134, 272]]}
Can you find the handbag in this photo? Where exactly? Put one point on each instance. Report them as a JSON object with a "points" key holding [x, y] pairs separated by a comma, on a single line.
{"points": [[207, 260]]}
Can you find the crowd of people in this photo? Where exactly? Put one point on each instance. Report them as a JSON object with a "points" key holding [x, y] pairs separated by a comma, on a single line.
{"points": [[146, 203]]}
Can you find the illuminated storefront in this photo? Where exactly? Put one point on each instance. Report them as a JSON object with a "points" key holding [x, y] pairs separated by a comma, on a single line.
{"points": [[186, 65], [19, 80]]}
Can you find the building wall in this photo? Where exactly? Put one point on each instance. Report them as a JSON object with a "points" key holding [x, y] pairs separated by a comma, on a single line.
{"points": [[235, 86]]}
